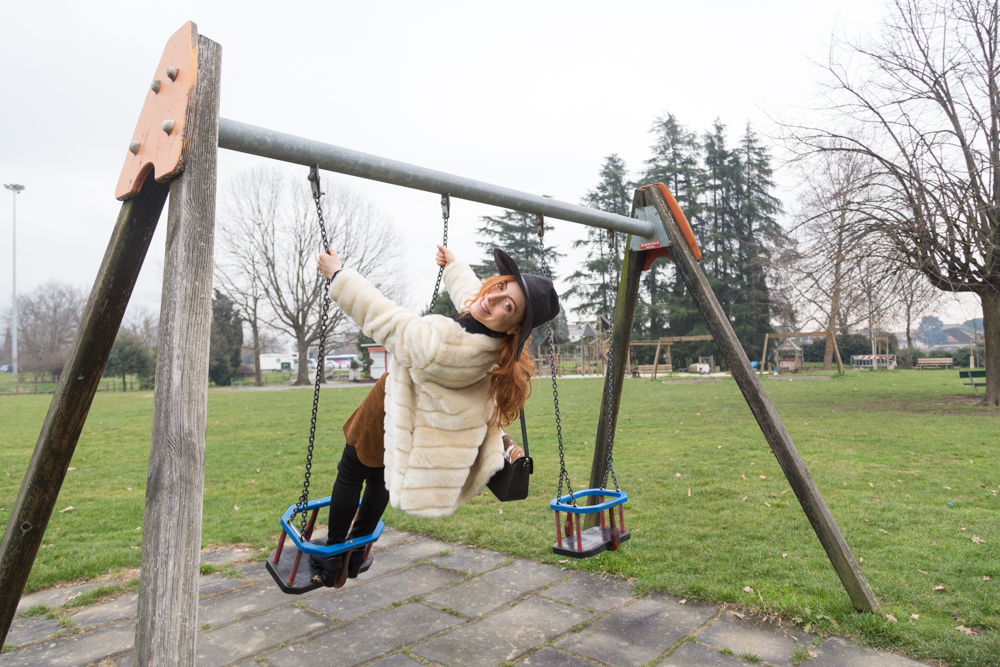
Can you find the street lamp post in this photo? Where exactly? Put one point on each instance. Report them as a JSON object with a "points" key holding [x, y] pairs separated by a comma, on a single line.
{"points": [[14, 188]]}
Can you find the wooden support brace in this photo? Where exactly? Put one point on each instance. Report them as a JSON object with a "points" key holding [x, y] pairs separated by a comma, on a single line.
{"points": [[836, 352], [763, 354], [80, 380], [621, 332], [763, 410], [166, 625]]}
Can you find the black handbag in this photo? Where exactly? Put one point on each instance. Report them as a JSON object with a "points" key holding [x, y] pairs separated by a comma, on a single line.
{"points": [[511, 482]]}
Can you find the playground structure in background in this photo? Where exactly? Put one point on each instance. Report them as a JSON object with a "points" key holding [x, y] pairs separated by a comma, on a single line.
{"points": [[588, 356], [796, 365]]}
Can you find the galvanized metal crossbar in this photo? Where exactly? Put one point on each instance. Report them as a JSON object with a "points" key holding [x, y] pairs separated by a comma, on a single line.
{"points": [[244, 138]]}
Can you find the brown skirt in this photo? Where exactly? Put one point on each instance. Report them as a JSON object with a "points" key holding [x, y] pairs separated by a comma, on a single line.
{"points": [[365, 428]]}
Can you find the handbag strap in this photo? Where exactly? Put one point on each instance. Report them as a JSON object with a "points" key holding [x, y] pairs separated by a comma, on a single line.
{"points": [[524, 435]]}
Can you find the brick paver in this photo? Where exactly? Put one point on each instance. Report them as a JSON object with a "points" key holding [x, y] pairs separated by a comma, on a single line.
{"points": [[591, 591], [766, 640], [486, 592], [348, 603], [504, 636], [637, 633], [444, 603], [365, 639]]}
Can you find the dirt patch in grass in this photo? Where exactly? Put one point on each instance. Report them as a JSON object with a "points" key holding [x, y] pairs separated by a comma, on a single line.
{"points": [[942, 405]]}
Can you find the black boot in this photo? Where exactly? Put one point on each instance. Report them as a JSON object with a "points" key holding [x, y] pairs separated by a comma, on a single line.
{"points": [[361, 560], [331, 566]]}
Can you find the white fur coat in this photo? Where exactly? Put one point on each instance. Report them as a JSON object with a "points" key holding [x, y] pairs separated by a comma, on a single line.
{"points": [[439, 450]]}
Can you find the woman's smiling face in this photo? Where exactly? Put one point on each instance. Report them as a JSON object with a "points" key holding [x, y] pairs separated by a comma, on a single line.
{"points": [[502, 308]]}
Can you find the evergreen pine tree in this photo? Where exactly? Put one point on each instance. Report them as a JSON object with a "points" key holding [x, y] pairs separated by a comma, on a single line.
{"points": [[129, 356], [443, 305], [7, 352], [595, 284], [516, 234], [721, 183], [667, 308], [226, 342], [675, 163], [756, 232]]}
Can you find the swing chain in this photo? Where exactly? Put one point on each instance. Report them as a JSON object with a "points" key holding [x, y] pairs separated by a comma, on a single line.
{"points": [[445, 214], [612, 415], [563, 473], [300, 506], [612, 420], [551, 338]]}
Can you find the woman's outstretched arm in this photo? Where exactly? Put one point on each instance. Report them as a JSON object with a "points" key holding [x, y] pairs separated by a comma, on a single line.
{"points": [[418, 343]]}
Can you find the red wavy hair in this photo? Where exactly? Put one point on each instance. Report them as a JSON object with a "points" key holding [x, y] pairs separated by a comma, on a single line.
{"points": [[510, 380]]}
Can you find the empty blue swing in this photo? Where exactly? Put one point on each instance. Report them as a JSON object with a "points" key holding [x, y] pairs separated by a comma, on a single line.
{"points": [[607, 536]]}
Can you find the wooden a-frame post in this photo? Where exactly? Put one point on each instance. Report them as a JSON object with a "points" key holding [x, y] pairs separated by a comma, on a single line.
{"points": [[618, 361], [81, 378], [173, 151], [749, 383], [167, 623]]}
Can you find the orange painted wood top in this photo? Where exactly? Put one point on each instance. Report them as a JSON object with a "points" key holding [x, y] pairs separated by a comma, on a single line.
{"points": [[681, 220], [162, 136]]}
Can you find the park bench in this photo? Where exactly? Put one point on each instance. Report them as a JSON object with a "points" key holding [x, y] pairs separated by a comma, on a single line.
{"points": [[647, 369], [971, 374], [935, 362]]}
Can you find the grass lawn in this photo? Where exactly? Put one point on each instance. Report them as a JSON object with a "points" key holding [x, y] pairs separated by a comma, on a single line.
{"points": [[906, 461]]}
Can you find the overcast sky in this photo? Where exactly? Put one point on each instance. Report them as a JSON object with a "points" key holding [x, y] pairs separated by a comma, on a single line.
{"points": [[528, 95]]}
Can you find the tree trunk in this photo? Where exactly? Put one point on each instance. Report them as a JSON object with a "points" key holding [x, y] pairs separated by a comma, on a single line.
{"points": [[831, 322], [123, 382], [909, 334], [303, 345], [257, 380], [991, 341], [831, 326]]}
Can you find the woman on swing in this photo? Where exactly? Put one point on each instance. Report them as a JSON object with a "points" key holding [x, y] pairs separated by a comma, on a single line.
{"points": [[429, 434]]}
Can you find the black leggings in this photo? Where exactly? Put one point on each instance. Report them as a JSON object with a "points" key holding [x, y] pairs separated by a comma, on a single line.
{"points": [[346, 493]]}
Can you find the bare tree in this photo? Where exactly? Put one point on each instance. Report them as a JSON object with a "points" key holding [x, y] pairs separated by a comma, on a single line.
{"points": [[917, 297], [142, 323], [253, 202], [47, 320], [878, 288], [271, 239], [824, 266], [922, 101]]}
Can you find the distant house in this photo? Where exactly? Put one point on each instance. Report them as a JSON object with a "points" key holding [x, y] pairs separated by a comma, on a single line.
{"points": [[958, 335], [339, 362], [287, 361], [380, 359], [957, 338]]}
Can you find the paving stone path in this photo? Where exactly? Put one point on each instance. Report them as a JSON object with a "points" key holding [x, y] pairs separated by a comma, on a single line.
{"points": [[426, 602]]}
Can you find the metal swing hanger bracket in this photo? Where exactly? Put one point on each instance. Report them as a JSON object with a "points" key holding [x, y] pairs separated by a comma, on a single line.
{"points": [[244, 138], [659, 239]]}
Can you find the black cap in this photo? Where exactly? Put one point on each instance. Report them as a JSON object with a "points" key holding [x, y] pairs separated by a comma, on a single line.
{"points": [[541, 303]]}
